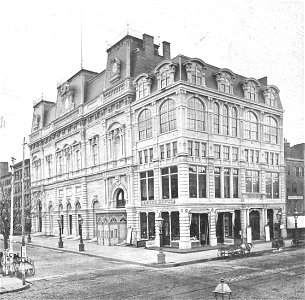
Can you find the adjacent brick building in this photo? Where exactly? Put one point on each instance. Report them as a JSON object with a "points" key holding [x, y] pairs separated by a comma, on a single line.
{"points": [[153, 136], [295, 183]]}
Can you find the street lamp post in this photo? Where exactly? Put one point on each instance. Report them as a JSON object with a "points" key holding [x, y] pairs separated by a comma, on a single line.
{"points": [[60, 242], [296, 234], [29, 239], [280, 238], [160, 255], [81, 243]]}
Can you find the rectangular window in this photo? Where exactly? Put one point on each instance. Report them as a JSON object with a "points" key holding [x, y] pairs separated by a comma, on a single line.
{"points": [[95, 154], [234, 154], [276, 158], [162, 152], [147, 185], [267, 157], [145, 156], [217, 151], [140, 158], [168, 150], [227, 183], [203, 149], [193, 182], [272, 185], [169, 178], [174, 149], [247, 155], [235, 183], [151, 154], [60, 193], [197, 182], [272, 159], [197, 150], [190, 148], [256, 156], [226, 152], [217, 182], [252, 181], [251, 158]]}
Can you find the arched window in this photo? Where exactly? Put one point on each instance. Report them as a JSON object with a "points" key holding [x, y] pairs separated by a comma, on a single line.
{"points": [[145, 124], [251, 126], [120, 200], [225, 120], [168, 116], [234, 121], [270, 130], [216, 117], [195, 114], [196, 76]]}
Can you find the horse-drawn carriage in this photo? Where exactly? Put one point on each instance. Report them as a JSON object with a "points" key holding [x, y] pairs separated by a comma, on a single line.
{"points": [[235, 251]]}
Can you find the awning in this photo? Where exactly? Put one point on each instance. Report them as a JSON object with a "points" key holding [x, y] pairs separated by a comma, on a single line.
{"points": [[291, 222]]}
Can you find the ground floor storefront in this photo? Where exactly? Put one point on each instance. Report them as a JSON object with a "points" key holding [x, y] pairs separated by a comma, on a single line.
{"points": [[180, 227]]}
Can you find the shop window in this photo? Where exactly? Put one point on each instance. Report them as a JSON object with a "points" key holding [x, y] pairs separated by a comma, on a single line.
{"points": [[147, 185], [197, 182], [147, 225], [217, 182], [235, 183], [169, 176], [226, 183]]}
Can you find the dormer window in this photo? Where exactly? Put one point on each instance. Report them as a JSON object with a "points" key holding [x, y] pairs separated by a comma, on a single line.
{"points": [[270, 95], [250, 87], [225, 79], [195, 70], [165, 73], [143, 85]]}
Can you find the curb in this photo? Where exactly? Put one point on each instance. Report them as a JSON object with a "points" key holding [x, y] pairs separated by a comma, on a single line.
{"points": [[26, 286]]}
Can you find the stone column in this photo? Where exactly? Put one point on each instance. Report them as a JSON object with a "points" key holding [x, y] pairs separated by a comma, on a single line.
{"points": [[184, 223], [212, 217]]}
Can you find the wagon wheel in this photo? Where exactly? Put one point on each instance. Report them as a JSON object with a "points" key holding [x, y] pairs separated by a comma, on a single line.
{"points": [[32, 271], [231, 252]]}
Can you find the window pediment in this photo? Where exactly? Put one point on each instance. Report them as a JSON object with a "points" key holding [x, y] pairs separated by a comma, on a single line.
{"points": [[270, 93], [195, 70], [225, 79], [165, 72], [250, 87]]}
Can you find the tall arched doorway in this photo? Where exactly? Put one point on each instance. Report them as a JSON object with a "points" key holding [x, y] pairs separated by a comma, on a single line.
{"points": [[120, 198], [254, 217]]}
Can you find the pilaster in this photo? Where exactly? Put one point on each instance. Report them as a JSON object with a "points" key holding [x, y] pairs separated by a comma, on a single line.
{"points": [[184, 222]]}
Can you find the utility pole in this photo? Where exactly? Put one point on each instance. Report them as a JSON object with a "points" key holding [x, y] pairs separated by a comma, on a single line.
{"points": [[11, 251], [23, 247]]}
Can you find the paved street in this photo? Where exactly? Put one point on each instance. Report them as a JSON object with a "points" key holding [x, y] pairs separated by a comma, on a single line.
{"points": [[62, 275]]}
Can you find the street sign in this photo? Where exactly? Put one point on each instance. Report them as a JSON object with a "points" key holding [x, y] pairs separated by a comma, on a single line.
{"points": [[23, 251]]}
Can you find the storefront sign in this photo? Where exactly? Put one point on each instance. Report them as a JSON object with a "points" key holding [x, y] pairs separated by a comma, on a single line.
{"points": [[151, 243], [295, 197], [23, 251], [228, 241]]}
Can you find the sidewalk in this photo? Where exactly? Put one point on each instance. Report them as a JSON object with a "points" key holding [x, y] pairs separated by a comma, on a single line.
{"points": [[127, 254]]}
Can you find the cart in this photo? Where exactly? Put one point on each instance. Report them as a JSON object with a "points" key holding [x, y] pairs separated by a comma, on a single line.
{"points": [[242, 250]]}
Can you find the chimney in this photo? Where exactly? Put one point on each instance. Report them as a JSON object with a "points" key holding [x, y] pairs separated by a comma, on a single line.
{"points": [[148, 43], [166, 50], [263, 80]]}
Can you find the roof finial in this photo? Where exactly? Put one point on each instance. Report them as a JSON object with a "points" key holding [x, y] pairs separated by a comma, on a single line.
{"points": [[127, 29]]}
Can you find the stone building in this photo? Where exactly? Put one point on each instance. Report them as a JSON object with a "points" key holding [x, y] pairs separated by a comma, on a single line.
{"points": [[153, 136], [5, 188], [295, 183]]}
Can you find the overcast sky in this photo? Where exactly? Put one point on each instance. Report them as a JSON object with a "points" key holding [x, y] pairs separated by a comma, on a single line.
{"points": [[40, 45]]}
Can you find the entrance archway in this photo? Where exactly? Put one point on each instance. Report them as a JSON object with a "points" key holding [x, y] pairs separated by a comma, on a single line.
{"points": [[254, 218]]}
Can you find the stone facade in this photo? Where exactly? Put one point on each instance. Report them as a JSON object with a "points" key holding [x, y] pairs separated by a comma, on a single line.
{"points": [[152, 137]]}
